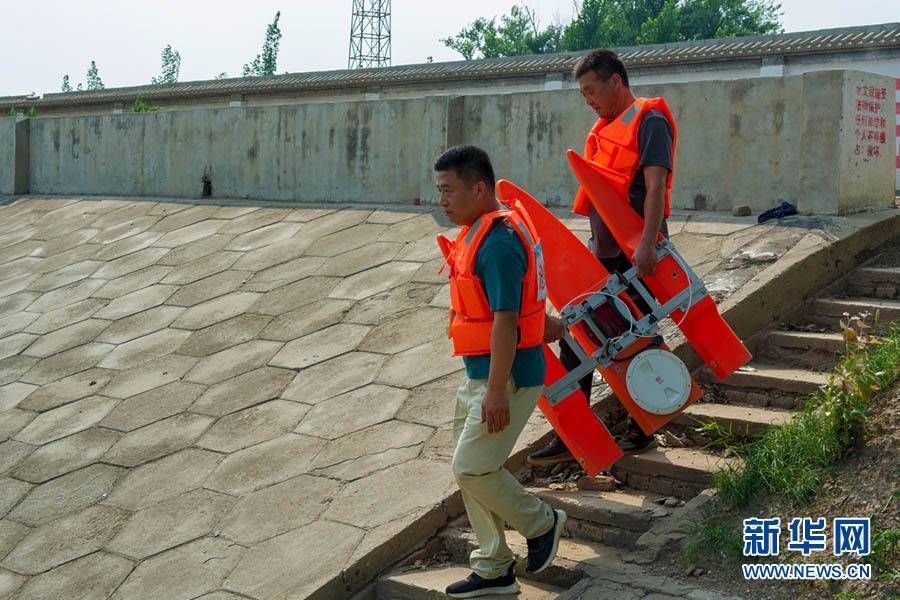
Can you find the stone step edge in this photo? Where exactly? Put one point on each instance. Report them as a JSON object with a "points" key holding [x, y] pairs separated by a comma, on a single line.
{"points": [[874, 276], [833, 308], [830, 342], [754, 422], [581, 562], [603, 508], [691, 465], [567, 569], [412, 583], [772, 377]]}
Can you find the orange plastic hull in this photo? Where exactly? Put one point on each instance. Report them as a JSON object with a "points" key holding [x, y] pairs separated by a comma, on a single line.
{"points": [[572, 272], [704, 328]]}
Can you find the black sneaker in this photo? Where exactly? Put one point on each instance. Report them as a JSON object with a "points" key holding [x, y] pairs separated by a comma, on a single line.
{"points": [[554, 452], [636, 441], [542, 549], [475, 585]]}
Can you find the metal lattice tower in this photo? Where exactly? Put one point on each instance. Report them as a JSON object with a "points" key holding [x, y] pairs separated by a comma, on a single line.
{"points": [[370, 34]]}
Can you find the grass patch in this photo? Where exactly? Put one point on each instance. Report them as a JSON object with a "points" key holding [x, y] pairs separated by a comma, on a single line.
{"points": [[727, 439], [718, 536], [885, 556], [788, 464], [792, 461]]}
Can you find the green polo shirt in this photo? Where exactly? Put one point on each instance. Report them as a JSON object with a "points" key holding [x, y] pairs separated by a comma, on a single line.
{"points": [[501, 265]]}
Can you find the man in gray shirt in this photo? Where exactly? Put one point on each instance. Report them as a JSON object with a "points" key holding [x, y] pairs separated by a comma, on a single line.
{"points": [[603, 81]]}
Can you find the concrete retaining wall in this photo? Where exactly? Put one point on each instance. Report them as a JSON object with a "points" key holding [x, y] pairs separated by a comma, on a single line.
{"points": [[7, 155], [752, 142], [358, 151]]}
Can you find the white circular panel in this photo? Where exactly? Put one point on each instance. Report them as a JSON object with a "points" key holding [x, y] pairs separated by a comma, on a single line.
{"points": [[658, 382]]}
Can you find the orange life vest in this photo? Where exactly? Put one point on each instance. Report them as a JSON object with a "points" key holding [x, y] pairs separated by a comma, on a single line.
{"points": [[614, 144], [471, 319]]}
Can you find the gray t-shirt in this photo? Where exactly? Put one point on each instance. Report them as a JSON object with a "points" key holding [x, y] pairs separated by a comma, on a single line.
{"points": [[655, 149]]}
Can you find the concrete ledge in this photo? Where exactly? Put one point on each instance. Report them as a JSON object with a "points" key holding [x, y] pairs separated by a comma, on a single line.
{"points": [[429, 584], [840, 245], [803, 340], [684, 463], [765, 377], [610, 508], [741, 420]]}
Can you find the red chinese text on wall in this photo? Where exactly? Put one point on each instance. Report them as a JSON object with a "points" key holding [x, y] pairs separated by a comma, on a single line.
{"points": [[871, 126]]}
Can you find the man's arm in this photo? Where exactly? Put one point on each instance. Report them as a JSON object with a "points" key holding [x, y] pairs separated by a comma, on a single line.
{"points": [[495, 406], [654, 211]]}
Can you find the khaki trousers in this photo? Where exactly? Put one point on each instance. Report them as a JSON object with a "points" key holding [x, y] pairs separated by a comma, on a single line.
{"points": [[491, 494]]}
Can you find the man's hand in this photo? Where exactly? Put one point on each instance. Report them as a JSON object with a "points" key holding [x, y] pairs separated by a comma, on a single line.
{"points": [[495, 409], [645, 258], [553, 329]]}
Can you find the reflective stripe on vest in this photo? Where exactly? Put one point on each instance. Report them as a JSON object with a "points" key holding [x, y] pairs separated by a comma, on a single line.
{"points": [[614, 144]]}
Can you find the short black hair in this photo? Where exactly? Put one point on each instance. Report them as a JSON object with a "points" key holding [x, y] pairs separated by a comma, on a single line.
{"points": [[471, 163], [603, 62]]}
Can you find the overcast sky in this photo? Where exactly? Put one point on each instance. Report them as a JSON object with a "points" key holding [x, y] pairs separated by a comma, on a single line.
{"points": [[43, 41]]}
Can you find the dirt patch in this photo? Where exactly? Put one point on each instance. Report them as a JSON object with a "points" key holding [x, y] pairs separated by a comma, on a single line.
{"points": [[864, 484]]}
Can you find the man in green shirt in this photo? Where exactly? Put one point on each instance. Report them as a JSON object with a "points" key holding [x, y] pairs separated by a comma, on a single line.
{"points": [[501, 390]]}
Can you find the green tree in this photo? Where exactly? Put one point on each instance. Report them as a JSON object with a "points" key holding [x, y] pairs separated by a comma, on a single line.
{"points": [[519, 33], [171, 66], [606, 23], [93, 78], [222, 75], [66, 87], [617, 23], [141, 105], [703, 19], [266, 62], [662, 27]]}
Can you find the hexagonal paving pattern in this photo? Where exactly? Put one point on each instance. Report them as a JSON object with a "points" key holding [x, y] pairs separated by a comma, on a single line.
{"points": [[66, 420], [170, 523], [266, 571], [264, 464], [253, 425], [320, 346], [289, 297], [278, 508], [191, 396], [65, 539], [233, 361], [66, 455], [334, 377], [379, 279], [243, 391], [66, 494], [186, 571], [353, 411], [163, 479]]}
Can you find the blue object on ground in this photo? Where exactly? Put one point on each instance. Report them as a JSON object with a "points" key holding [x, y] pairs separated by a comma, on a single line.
{"points": [[784, 209]]}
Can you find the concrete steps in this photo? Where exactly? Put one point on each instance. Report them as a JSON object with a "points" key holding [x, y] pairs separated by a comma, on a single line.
{"points": [[759, 376], [803, 349], [410, 583], [829, 311], [806, 340], [587, 570], [679, 472], [613, 518], [567, 569], [878, 282], [744, 421], [597, 559]]}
